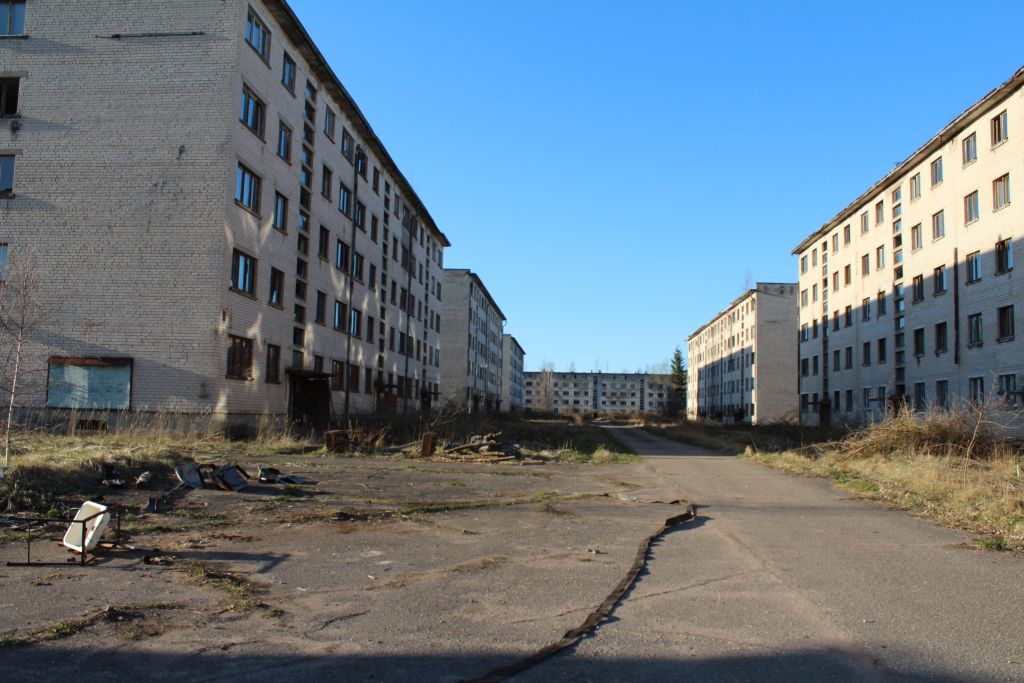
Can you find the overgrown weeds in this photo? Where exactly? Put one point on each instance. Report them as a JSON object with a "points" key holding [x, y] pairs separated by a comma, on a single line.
{"points": [[960, 468]]}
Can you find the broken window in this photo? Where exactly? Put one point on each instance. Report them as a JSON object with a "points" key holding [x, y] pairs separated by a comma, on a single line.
{"points": [[9, 96], [239, 358], [92, 383], [273, 364]]}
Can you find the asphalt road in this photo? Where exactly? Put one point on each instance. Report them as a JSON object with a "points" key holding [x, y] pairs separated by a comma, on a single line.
{"points": [[786, 578]]}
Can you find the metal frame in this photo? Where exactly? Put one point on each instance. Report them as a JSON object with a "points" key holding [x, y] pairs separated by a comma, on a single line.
{"points": [[85, 559]]}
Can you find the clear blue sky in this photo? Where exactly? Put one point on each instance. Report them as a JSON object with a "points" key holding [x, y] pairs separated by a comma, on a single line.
{"points": [[615, 172]]}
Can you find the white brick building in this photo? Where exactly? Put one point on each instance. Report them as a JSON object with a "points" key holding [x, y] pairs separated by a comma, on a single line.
{"points": [[217, 225], [909, 292], [512, 356], [472, 328], [596, 392], [742, 363]]}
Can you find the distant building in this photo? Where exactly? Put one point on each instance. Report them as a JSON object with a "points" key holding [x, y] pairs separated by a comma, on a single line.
{"points": [[742, 363], [908, 293], [596, 392], [472, 327], [511, 375]]}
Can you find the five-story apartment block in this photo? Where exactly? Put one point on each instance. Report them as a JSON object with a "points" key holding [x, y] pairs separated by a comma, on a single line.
{"points": [[596, 392], [215, 225], [512, 356], [471, 353], [742, 362], [908, 294]]}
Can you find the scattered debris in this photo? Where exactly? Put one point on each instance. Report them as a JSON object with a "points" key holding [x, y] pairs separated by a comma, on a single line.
{"points": [[144, 480], [231, 477], [189, 474]]}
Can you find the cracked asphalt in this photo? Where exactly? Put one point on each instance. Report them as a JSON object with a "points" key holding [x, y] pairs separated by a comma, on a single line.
{"points": [[778, 579]]}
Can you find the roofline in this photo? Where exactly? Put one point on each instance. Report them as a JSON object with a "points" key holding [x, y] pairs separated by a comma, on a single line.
{"points": [[297, 34], [516, 342], [756, 289], [948, 132], [480, 283]]}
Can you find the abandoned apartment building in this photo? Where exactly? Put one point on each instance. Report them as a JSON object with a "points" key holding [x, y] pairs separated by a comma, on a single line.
{"points": [[512, 363], [600, 393], [471, 357], [908, 293], [215, 225], [743, 362]]}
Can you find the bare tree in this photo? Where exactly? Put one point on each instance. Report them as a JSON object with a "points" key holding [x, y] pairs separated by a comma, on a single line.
{"points": [[545, 393], [21, 315]]}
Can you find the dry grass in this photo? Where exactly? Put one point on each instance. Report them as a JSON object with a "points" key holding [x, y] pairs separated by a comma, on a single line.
{"points": [[737, 438], [958, 468]]}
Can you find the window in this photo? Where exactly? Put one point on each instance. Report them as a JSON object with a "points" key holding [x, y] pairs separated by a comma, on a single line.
{"points": [[341, 256], [9, 96], [12, 17], [936, 168], [355, 325], [1000, 192], [344, 199], [288, 73], [847, 236], [864, 222], [915, 187], [247, 188], [330, 120], [882, 350], [942, 393], [880, 257], [915, 237], [835, 361], [835, 242], [847, 274], [974, 266], [346, 143], [280, 221], [919, 341], [243, 272], [273, 374], [257, 35], [253, 111], [357, 265], [360, 215], [977, 389], [848, 316], [340, 313], [324, 244], [276, 288], [239, 358], [880, 304], [848, 358], [941, 339], [939, 280], [879, 212], [970, 148], [284, 142], [1008, 388], [938, 225], [918, 288], [3, 260], [1005, 314], [803, 263], [337, 375], [376, 180], [326, 182], [974, 330], [1004, 256], [865, 309], [999, 128], [320, 314], [971, 211], [310, 91], [866, 354], [804, 298], [865, 264], [6, 174]]}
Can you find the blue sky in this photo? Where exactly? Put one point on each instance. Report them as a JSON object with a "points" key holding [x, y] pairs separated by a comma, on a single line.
{"points": [[616, 172]]}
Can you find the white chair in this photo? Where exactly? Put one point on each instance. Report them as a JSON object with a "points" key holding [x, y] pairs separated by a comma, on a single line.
{"points": [[92, 529]]}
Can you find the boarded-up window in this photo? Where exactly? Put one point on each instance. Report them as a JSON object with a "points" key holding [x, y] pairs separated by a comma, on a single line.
{"points": [[89, 383]]}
